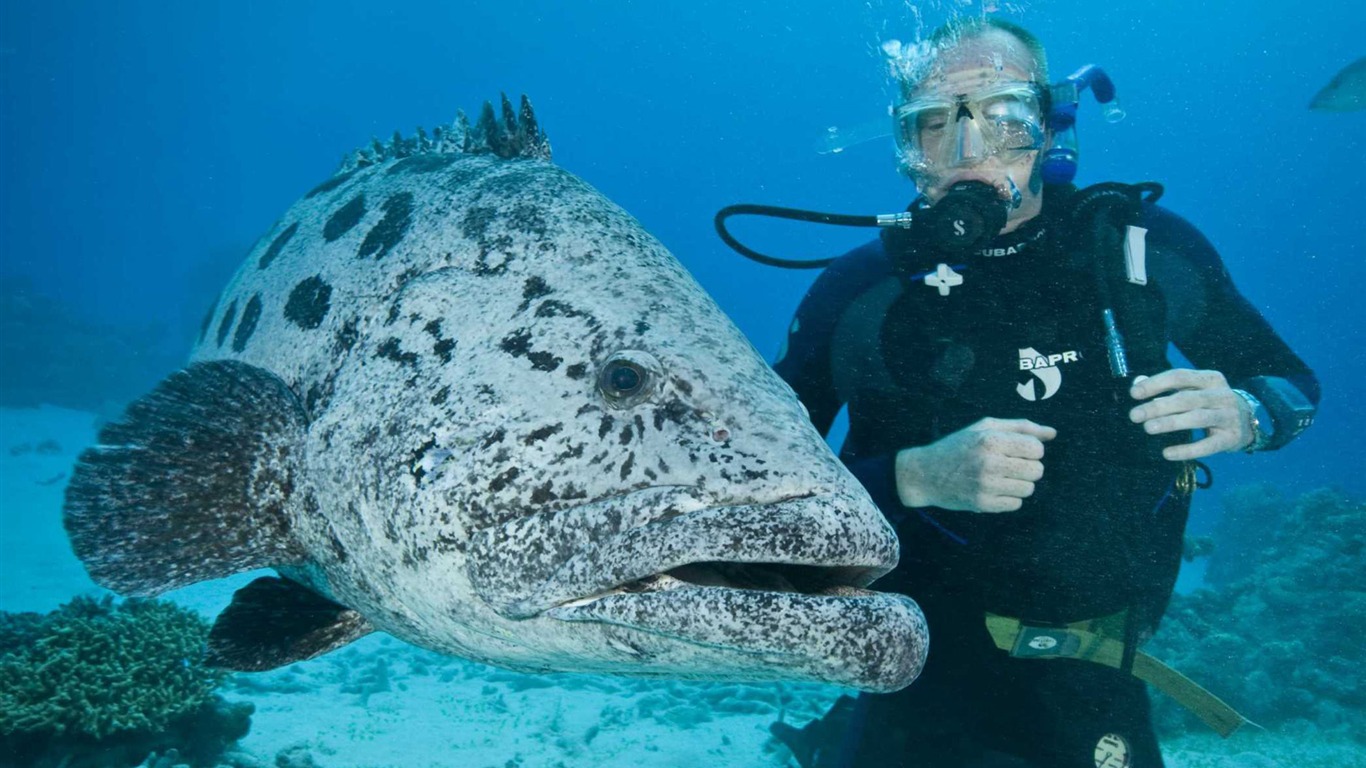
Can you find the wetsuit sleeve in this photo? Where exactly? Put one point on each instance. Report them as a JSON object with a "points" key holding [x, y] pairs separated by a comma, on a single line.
{"points": [[804, 363], [1216, 328], [877, 474], [804, 360]]}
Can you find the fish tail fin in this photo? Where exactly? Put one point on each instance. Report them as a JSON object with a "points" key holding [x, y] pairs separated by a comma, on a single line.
{"points": [[191, 484]]}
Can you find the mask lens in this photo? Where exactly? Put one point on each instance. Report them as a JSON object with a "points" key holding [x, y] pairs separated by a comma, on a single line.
{"points": [[1012, 122], [937, 133], [921, 124], [933, 133]]}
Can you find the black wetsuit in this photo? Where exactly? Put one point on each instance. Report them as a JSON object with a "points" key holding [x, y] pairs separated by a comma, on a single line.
{"points": [[1020, 337]]}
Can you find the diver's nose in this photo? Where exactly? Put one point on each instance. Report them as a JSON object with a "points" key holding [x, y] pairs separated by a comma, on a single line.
{"points": [[969, 146]]}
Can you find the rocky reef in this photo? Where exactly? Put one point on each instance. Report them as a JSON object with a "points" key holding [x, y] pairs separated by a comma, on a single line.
{"points": [[1279, 631]]}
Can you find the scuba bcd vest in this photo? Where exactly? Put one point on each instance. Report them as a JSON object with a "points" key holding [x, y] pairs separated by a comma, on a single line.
{"points": [[1054, 333], [1088, 227], [1091, 559]]}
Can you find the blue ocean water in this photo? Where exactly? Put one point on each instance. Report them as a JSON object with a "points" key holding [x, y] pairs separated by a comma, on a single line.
{"points": [[145, 146]]}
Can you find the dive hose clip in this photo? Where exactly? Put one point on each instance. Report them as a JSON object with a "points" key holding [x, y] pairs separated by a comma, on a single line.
{"points": [[899, 220]]}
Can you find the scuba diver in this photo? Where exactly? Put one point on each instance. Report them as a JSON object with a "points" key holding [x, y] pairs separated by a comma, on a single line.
{"points": [[1002, 349]]}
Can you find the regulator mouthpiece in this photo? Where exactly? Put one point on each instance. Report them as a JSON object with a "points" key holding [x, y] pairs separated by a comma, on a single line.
{"points": [[969, 214]]}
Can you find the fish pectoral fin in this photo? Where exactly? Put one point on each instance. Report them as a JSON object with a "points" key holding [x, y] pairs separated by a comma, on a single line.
{"points": [[272, 622], [193, 483]]}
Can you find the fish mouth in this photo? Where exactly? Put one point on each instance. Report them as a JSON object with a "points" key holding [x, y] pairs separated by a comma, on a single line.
{"points": [[782, 578], [763, 577], [798, 544], [837, 634], [780, 584]]}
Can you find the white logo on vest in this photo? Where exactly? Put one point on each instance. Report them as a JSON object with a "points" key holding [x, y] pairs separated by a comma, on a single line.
{"points": [[1112, 751], [943, 278], [1043, 368]]}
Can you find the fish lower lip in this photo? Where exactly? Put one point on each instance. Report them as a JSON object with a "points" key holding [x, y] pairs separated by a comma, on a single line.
{"points": [[798, 540], [869, 640]]}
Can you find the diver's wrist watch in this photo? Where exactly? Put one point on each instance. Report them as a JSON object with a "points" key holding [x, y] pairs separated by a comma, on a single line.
{"points": [[1261, 424]]}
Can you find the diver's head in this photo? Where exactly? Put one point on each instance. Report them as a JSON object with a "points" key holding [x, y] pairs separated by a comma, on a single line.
{"points": [[971, 108]]}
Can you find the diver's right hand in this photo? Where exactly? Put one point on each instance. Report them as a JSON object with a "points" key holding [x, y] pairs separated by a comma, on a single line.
{"points": [[989, 466]]}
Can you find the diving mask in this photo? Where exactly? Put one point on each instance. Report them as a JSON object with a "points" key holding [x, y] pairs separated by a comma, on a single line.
{"points": [[939, 132]]}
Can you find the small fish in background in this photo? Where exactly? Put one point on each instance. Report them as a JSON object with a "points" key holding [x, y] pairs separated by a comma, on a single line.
{"points": [[57, 478], [1346, 92], [47, 447]]}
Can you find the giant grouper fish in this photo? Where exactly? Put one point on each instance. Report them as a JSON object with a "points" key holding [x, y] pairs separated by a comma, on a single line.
{"points": [[458, 396]]}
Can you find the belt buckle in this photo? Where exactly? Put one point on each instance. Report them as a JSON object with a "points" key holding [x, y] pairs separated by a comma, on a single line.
{"points": [[1045, 643]]}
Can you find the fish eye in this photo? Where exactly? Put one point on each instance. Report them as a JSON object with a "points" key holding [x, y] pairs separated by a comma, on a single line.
{"points": [[628, 378], [624, 378]]}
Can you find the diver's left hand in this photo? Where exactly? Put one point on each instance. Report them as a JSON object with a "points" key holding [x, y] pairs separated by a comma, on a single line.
{"points": [[1199, 400]]}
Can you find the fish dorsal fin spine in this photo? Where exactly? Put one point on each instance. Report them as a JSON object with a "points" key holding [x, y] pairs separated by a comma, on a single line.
{"points": [[513, 134]]}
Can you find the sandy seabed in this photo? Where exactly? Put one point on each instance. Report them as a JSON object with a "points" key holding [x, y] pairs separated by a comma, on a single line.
{"points": [[381, 702]]}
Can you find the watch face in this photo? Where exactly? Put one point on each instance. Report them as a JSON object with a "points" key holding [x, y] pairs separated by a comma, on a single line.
{"points": [[1112, 751]]}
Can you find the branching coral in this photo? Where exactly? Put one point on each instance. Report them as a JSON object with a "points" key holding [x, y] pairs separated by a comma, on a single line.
{"points": [[99, 675], [94, 668]]}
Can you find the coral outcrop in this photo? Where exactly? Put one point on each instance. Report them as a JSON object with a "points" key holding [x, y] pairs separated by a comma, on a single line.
{"points": [[1280, 636], [103, 683]]}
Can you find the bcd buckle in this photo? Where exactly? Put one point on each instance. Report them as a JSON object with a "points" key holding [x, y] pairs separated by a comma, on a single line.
{"points": [[1188, 477], [1185, 478]]}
